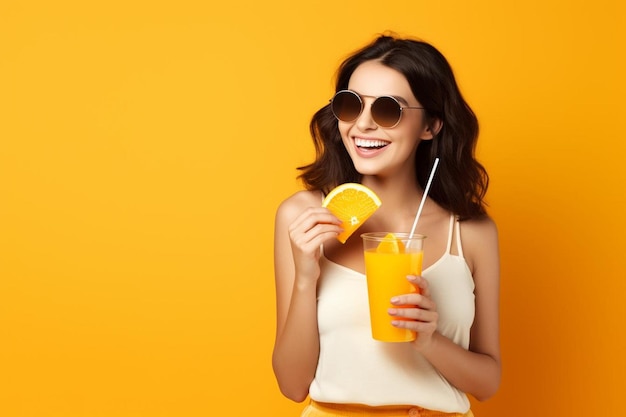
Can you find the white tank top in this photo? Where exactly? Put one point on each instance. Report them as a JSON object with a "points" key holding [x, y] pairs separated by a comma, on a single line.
{"points": [[354, 368]]}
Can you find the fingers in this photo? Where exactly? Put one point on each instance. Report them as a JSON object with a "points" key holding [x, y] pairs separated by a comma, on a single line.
{"points": [[418, 314], [416, 311], [417, 319], [421, 283], [313, 215], [421, 327], [414, 306], [421, 299], [313, 227]]}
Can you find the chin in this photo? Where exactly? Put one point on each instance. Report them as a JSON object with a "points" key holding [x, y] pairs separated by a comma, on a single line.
{"points": [[367, 169]]}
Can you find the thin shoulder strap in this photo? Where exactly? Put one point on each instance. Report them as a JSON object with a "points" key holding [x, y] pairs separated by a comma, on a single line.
{"points": [[449, 245], [459, 247], [322, 245]]}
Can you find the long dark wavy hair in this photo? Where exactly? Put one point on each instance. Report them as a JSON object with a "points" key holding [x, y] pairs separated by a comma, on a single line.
{"points": [[461, 181]]}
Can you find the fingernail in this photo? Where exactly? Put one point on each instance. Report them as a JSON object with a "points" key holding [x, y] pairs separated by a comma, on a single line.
{"points": [[395, 300]]}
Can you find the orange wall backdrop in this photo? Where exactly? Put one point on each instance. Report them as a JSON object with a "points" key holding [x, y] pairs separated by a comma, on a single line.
{"points": [[146, 145]]}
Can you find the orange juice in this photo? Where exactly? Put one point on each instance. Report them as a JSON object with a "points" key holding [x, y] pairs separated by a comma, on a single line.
{"points": [[387, 264]]}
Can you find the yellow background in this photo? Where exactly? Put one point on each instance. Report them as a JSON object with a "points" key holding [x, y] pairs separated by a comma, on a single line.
{"points": [[145, 147]]}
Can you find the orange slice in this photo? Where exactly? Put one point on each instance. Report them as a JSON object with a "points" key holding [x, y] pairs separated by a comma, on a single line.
{"points": [[390, 244], [353, 204]]}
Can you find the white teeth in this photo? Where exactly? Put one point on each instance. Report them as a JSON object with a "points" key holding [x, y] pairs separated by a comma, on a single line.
{"points": [[366, 143]]}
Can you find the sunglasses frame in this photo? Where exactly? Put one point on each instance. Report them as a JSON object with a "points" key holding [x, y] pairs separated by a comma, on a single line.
{"points": [[360, 98]]}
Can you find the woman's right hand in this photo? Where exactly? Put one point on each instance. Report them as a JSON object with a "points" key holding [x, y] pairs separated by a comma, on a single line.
{"points": [[307, 233]]}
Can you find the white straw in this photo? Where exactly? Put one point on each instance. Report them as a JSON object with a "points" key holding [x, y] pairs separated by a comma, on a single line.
{"points": [[421, 206]]}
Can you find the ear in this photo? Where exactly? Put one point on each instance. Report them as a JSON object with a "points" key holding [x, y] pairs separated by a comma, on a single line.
{"points": [[432, 129]]}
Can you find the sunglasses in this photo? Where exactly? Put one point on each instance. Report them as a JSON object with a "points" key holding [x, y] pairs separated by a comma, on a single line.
{"points": [[347, 106]]}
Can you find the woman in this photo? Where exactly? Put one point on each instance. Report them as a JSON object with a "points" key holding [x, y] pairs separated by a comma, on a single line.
{"points": [[323, 349]]}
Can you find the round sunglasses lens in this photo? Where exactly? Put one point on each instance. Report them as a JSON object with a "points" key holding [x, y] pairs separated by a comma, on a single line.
{"points": [[386, 111], [346, 106]]}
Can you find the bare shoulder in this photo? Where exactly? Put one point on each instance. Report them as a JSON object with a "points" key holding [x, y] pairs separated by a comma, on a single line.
{"points": [[483, 228], [480, 244], [295, 204]]}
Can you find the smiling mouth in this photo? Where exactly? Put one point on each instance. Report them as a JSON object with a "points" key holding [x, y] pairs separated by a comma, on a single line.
{"points": [[370, 144]]}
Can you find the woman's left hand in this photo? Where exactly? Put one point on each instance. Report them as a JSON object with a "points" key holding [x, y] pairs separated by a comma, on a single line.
{"points": [[419, 309]]}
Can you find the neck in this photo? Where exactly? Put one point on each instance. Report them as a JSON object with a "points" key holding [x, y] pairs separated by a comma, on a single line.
{"points": [[400, 200]]}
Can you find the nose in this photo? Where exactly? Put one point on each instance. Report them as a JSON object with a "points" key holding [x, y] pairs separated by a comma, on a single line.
{"points": [[365, 121]]}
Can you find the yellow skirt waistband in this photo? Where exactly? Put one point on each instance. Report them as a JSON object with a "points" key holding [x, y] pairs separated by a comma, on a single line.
{"points": [[319, 409]]}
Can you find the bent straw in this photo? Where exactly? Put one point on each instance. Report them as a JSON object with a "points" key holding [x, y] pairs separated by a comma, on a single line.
{"points": [[421, 206]]}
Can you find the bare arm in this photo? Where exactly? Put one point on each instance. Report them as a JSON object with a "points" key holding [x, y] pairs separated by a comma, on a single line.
{"points": [[299, 232], [477, 370]]}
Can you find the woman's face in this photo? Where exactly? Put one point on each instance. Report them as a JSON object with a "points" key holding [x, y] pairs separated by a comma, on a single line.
{"points": [[377, 150]]}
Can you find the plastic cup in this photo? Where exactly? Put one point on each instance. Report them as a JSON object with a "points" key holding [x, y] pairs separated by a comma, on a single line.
{"points": [[387, 264]]}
